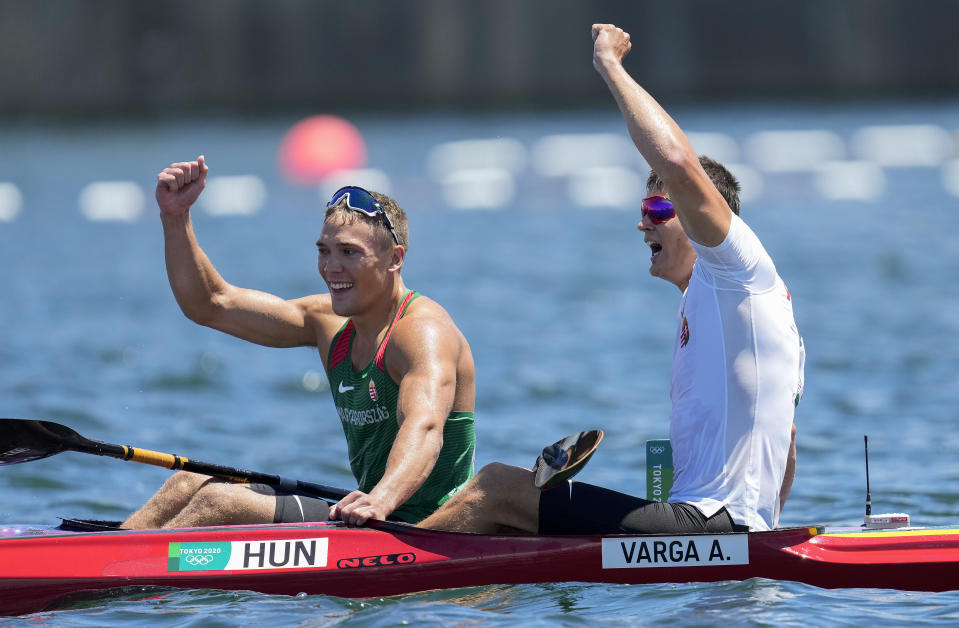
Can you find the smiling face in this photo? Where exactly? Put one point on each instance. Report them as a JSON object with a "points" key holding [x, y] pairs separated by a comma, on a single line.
{"points": [[672, 256], [358, 268]]}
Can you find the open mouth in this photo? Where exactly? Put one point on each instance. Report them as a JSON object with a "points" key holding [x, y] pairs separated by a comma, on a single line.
{"points": [[339, 286], [655, 247]]}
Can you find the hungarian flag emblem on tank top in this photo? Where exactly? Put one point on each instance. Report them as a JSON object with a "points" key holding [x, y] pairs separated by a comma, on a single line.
{"points": [[373, 394], [683, 336]]}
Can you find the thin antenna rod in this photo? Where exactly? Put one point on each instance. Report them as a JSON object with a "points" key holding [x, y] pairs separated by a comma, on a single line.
{"points": [[865, 438]]}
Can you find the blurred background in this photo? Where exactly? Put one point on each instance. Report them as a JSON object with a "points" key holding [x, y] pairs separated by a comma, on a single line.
{"points": [[112, 69], [108, 57]]}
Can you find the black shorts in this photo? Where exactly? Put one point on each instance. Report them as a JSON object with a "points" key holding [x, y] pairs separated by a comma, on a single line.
{"points": [[292, 508], [579, 508], [297, 508]]}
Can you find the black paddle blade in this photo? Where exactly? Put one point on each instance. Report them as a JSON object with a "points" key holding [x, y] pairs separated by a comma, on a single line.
{"points": [[565, 458], [23, 440]]}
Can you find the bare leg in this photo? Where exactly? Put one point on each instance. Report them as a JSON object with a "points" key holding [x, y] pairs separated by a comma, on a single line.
{"points": [[192, 500], [499, 495], [790, 474], [172, 497], [224, 503]]}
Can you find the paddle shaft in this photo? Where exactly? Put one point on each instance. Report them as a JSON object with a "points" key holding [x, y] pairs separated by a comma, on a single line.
{"points": [[23, 440], [50, 438], [171, 461]]}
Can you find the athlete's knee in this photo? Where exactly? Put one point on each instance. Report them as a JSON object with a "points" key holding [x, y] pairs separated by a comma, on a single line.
{"points": [[509, 495], [503, 480], [216, 492], [484, 485], [496, 483], [186, 480], [213, 498], [497, 474], [185, 483]]}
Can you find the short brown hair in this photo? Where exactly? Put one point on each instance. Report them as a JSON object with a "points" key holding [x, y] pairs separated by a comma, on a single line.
{"points": [[722, 178], [391, 207]]}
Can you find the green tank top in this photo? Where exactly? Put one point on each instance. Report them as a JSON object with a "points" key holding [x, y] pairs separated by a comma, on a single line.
{"points": [[366, 403]]}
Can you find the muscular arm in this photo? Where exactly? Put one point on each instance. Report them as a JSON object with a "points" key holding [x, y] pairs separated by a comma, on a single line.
{"points": [[423, 357], [203, 295], [704, 214]]}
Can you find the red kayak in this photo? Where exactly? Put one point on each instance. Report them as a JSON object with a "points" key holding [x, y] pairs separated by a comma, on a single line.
{"points": [[40, 565]]}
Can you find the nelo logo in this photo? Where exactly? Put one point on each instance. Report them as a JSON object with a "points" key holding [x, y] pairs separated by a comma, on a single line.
{"points": [[376, 561]]}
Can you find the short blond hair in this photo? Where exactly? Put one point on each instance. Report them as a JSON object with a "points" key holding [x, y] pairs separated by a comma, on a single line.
{"points": [[397, 216]]}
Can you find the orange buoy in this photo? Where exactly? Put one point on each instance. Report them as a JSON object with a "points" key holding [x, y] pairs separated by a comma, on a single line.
{"points": [[317, 146]]}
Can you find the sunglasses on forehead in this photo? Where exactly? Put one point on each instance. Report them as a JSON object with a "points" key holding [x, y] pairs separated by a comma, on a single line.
{"points": [[659, 208], [359, 200]]}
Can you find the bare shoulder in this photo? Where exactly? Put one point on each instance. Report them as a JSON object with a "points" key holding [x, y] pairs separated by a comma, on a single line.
{"points": [[427, 325], [426, 307], [427, 345]]}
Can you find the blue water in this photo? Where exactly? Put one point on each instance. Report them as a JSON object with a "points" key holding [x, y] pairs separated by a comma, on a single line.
{"points": [[568, 330]]}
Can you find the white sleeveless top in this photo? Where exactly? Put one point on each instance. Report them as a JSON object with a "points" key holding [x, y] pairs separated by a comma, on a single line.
{"points": [[737, 375]]}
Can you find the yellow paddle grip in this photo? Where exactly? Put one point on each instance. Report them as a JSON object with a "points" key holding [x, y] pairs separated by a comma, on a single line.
{"points": [[156, 458]]}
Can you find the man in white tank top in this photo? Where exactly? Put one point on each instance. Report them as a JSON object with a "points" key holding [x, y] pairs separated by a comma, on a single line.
{"points": [[737, 361], [736, 365], [738, 357]]}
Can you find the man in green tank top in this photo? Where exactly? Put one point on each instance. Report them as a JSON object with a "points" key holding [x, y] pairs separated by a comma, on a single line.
{"points": [[400, 371]]}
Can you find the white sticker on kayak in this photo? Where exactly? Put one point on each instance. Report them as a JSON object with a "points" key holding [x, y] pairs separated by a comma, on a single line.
{"points": [[239, 555], [676, 551]]}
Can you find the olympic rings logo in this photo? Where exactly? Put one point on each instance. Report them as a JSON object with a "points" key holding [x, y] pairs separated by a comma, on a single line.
{"points": [[657, 450], [196, 561]]}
